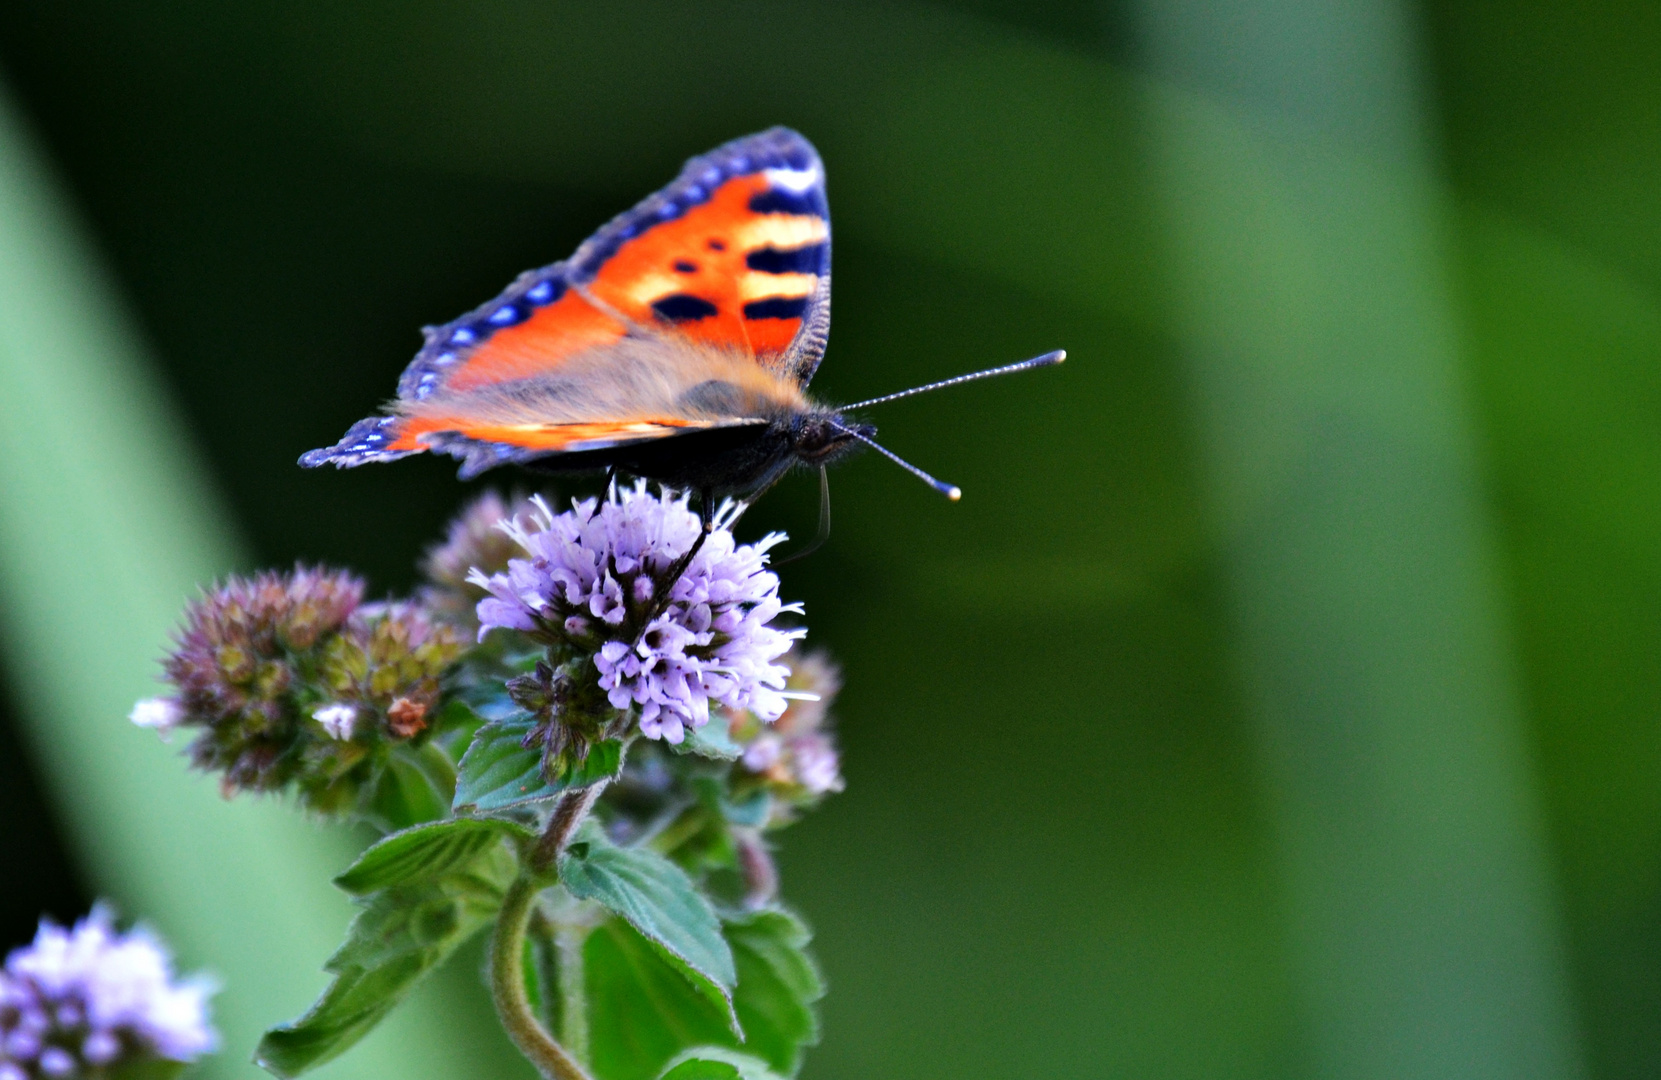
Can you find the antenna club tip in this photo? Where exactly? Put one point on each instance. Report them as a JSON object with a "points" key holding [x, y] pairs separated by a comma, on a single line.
{"points": [[954, 493], [1060, 356]]}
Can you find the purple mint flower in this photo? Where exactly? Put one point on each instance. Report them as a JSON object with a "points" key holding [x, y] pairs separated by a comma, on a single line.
{"points": [[91, 998], [796, 753], [590, 577]]}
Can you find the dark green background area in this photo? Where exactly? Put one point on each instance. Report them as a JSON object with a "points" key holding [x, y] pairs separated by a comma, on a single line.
{"points": [[1054, 857]]}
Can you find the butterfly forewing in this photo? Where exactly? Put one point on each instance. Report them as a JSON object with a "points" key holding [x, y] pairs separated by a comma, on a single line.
{"points": [[726, 270]]}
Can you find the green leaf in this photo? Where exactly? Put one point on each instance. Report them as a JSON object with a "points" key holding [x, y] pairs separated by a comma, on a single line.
{"points": [[713, 740], [490, 702], [778, 983], [651, 1012], [424, 892], [405, 794], [656, 898], [717, 1063], [498, 773], [653, 1015], [424, 853], [353, 1004], [751, 809]]}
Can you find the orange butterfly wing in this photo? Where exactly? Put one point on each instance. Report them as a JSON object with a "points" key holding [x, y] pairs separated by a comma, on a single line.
{"points": [[734, 256]]}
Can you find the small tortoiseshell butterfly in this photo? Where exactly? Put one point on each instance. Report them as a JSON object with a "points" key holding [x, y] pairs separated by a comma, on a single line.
{"points": [[675, 344]]}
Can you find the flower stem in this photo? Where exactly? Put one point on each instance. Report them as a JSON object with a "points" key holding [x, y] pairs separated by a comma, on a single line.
{"points": [[507, 948], [569, 812], [507, 987]]}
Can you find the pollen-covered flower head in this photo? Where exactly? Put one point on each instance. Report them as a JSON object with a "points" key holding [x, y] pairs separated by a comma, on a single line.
{"points": [[596, 580], [289, 680], [796, 756], [85, 1001]]}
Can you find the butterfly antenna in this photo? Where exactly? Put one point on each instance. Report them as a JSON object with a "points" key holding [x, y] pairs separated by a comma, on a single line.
{"points": [[951, 491], [824, 523], [1038, 361]]}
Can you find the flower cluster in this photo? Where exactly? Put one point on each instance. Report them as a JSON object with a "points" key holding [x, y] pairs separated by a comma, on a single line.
{"points": [[472, 542], [668, 636], [795, 755], [290, 680], [84, 1001]]}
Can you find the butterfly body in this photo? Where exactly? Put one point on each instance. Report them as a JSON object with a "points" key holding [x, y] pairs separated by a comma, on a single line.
{"points": [[676, 343], [740, 461]]}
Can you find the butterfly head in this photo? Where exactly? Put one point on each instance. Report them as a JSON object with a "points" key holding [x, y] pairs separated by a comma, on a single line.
{"points": [[821, 436]]}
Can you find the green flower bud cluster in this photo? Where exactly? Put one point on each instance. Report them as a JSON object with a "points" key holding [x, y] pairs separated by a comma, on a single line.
{"points": [[290, 682]]}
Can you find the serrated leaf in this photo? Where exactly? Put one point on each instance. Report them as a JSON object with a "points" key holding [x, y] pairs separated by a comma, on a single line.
{"points": [[656, 898], [424, 892], [498, 773], [349, 1009], [717, 1063], [653, 1015], [778, 983], [424, 853]]}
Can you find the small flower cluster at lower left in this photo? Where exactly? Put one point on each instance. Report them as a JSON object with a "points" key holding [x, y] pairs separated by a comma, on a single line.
{"points": [[89, 1000]]}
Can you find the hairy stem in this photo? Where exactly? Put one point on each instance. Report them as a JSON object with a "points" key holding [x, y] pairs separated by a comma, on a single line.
{"points": [[507, 948], [507, 987], [569, 812]]}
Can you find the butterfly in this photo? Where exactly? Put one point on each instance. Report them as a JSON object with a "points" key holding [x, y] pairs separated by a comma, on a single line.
{"points": [[675, 344]]}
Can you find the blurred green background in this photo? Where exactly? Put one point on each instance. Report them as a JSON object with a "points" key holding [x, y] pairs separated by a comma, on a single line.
{"points": [[1280, 701]]}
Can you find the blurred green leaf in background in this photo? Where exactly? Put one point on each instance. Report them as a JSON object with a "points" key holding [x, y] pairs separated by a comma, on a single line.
{"points": [[1359, 441]]}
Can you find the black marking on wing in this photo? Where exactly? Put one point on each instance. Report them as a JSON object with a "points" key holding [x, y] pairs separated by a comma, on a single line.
{"points": [[802, 260], [683, 307], [776, 307]]}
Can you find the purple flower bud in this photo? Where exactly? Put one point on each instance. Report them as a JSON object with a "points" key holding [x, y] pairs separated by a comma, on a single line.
{"points": [[101, 1047], [22, 1045], [55, 1061]]}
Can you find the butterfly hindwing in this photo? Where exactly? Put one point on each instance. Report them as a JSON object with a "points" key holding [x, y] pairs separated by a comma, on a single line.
{"points": [[732, 258]]}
